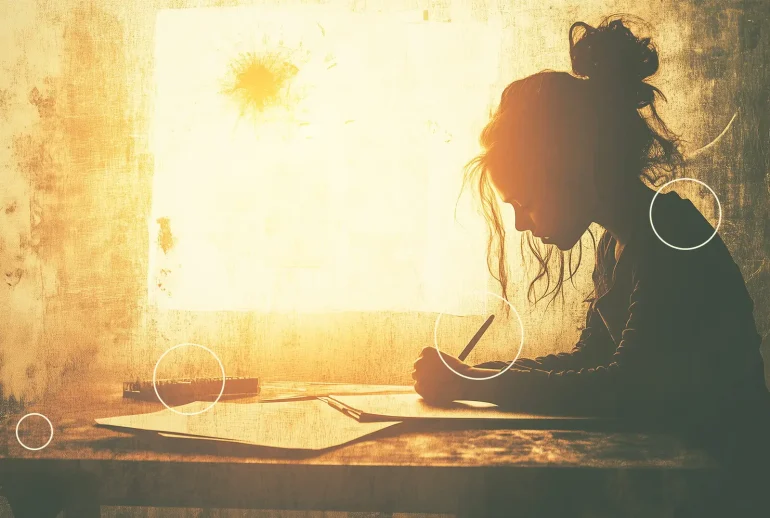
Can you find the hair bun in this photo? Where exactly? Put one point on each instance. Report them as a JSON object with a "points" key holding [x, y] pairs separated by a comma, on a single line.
{"points": [[611, 54]]}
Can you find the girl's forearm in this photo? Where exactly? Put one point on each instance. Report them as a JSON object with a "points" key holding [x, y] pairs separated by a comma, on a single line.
{"points": [[492, 390], [510, 389]]}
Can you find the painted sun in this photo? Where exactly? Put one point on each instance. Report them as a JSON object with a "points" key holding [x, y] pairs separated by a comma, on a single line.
{"points": [[257, 82]]}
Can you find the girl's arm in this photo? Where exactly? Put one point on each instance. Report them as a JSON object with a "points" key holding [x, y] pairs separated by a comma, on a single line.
{"points": [[655, 364], [594, 347]]}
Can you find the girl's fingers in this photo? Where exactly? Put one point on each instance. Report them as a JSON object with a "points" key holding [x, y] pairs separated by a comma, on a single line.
{"points": [[427, 351]]}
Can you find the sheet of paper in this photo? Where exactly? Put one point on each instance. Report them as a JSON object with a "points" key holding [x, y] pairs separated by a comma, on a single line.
{"points": [[302, 425], [412, 406], [276, 391]]}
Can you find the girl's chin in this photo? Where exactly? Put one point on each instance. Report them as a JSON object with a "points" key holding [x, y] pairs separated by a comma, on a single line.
{"points": [[561, 244], [549, 241]]}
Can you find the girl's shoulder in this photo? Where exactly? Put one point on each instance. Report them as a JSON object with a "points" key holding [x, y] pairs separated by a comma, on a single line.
{"points": [[678, 224], [678, 245]]}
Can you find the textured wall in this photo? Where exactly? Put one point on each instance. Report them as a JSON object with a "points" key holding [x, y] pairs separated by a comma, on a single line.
{"points": [[76, 93]]}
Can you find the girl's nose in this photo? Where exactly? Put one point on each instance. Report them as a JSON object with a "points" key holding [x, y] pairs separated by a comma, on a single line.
{"points": [[522, 219]]}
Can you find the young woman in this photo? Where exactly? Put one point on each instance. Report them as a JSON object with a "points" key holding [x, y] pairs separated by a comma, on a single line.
{"points": [[670, 335]]}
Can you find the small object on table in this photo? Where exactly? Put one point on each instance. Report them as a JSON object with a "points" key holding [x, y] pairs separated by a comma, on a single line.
{"points": [[191, 389]]}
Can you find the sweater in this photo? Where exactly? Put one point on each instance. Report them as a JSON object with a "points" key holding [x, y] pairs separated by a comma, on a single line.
{"points": [[671, 339]]}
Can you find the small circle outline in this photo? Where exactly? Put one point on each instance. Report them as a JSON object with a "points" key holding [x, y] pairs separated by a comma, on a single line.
{"points": [[518, 353], [719, 221], [19, 424], [155, 374]]}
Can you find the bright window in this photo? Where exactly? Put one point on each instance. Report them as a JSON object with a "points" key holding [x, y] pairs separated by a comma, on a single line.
{"points": [[310, 161]]}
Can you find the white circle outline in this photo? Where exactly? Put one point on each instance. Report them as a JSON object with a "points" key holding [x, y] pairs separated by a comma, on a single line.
{"points": [[19, 439], [155, 374], [521, 344], [719, 222]]}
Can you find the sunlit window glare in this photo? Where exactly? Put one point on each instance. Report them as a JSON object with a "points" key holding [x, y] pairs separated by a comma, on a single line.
{"points": [[312, 161]]}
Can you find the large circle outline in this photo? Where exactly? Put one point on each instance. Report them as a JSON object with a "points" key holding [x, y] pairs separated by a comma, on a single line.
{"points": [[518, 353], [719, 221], [19, 439], [155, 373]]}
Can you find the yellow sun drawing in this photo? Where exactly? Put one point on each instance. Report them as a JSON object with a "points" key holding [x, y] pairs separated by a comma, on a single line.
{"points": [[258, 81]]}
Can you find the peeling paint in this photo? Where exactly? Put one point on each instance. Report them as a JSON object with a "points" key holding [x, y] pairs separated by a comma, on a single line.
{"points": [[165, 238]]}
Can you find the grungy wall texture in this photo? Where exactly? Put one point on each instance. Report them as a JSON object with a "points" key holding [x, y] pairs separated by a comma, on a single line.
{"points": [[76, 93]]}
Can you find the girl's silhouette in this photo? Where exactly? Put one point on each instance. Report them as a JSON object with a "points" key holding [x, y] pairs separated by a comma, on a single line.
{"points": [[670, 336]]}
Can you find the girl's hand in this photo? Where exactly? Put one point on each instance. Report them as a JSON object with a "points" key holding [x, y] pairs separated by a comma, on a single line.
{"points": [[435, 382]]}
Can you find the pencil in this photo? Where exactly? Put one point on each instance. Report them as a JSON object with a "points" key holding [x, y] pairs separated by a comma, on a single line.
{"points": [[476, 338]]}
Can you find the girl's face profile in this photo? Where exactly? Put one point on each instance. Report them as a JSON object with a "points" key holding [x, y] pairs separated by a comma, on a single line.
{"points": [[555, 205]]}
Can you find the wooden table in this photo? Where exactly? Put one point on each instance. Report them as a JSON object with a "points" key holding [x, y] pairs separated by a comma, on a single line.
{"points": [[407, 468]]}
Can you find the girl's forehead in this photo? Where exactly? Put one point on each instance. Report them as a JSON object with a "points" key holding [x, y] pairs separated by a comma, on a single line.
{"points": [[515, 183], [521, 170]]}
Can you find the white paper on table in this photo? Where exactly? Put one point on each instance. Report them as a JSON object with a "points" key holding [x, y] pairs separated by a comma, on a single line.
{"points": [[401, 407], [301, 425]]}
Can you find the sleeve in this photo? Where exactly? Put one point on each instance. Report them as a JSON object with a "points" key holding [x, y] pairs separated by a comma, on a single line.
{"points": [[652, 367], [594, 347]]}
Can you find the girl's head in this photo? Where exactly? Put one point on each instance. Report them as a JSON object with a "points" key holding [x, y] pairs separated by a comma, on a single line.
{"points": [[559, 145]]}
